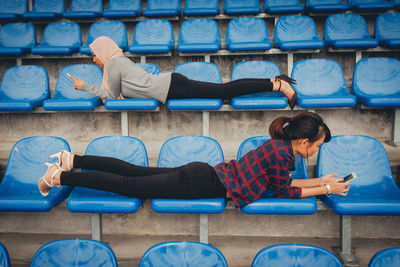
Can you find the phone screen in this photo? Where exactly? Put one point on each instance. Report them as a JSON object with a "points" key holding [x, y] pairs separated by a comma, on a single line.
{"points": [[349, 177]]}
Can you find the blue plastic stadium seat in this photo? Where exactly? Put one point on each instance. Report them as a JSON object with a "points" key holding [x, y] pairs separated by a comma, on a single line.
{"points": [[269, 204], [12, 9], [4, 257], [74, 252], [152, 36], [179, 151], [123, 8], [376, 82], [201, 7], [295, 255], [17, 38], [61, 38], [46, 9], [326, 5], [199, 35], [321, 84], [66, 97], [19, 188], [232, 7], [23, 88], [244, 34], [115, 30], [262, 70], [296, 32], [162, 8], [374, 192], [126, 148], [183, 253], [84, 9], [387, 29], [199, 71], [135, 104], [348, 31], [370, 4], [283, 6], [389, 257]]}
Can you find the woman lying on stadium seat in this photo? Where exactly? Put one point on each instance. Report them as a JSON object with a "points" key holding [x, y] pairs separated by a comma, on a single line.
{"points": [[244, 180], [123, 79]]}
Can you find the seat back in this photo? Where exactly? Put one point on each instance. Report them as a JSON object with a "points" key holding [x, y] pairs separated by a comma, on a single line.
{"points": [[55, 6], [25, 83], [346, 27], [183, 253], [26, 164], [162, 8], [181, 150], [366, 157], [18, 7], [4, 257], [200, 71], [376, 77], [115, 30], [295, 255], [66, 34], [387, 26], [319, 77], [153, 31], [124, 5], [65, 89], [241, 6], [74, 252], [246, 29], [389, 257], [255, 69], [129, 149], [254, 142], [198, 32], [86, 5], [22, 35], [150, 68], [201, 7], [295, 28]]}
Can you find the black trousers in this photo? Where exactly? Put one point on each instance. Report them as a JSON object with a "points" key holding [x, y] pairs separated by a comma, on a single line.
{"points": [[181, 88], [191, 181]]}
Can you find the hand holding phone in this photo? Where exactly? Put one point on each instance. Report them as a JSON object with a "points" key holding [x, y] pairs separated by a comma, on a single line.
{"points": [[349, 177]]}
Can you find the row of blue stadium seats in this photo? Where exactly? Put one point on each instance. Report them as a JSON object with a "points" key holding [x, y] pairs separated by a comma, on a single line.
{"points": [[320, 84], [374, 192], [49, 9], [202, 35], [84, 252]]}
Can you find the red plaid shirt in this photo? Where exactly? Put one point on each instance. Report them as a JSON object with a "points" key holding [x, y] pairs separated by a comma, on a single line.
{"points": [[266, 167]]}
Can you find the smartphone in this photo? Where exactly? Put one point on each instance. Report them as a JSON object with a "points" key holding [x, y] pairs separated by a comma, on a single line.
{"points": [[350, 177], [69, 75]]}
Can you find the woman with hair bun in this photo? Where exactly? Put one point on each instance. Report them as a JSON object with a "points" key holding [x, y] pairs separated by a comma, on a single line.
{"points": [[244, 180]]}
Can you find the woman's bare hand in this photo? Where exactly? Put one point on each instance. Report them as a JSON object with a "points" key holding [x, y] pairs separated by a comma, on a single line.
{"points": [[339, 187], [326, 179], [78, 83]]}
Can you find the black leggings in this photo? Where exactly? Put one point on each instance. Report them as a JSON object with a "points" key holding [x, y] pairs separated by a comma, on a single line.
{"points": [[181, 88], [191, 181]]}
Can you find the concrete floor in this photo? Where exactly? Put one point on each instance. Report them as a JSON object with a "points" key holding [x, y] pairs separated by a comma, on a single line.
{"points": [[238, 251]]}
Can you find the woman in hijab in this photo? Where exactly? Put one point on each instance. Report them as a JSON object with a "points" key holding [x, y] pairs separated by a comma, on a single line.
{"points": [[124, 79]]}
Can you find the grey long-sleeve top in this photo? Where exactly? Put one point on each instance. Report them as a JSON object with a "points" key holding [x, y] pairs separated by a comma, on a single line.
{"points": [[127, 78]]}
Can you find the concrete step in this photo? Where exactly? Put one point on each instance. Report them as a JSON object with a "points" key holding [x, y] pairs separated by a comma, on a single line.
{"points": [[238, 251]]}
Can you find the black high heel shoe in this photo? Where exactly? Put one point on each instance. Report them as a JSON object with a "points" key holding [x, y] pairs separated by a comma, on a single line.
{"points": [[292, 102]]}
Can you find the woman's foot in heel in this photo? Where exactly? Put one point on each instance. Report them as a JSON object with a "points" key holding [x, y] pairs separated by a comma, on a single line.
{"points": [[50, 179], [65, 160], [282, 83]]}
